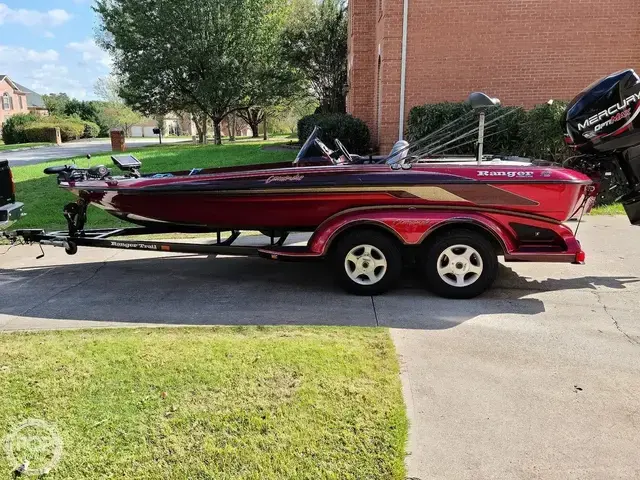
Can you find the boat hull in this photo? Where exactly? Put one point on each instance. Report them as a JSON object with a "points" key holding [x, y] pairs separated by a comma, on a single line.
{"points": [[302, 198]]}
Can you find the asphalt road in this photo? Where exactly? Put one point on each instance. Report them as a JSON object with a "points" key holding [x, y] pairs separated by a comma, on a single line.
{"points": [[30, 156], [538, 378]]}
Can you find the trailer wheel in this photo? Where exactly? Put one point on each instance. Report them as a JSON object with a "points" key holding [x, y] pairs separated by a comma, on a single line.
{"points": [[459, 264], [71, 248], [366, 262]]}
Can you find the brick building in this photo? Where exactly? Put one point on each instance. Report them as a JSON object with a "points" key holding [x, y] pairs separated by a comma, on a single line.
{"points": [[12, 99], [521, 51]]}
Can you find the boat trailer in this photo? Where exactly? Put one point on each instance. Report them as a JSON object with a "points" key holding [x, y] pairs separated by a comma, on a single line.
{"points": [[113, 238]]}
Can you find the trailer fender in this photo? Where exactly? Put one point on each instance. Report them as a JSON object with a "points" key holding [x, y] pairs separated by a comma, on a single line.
{"points": [[410, 226]]}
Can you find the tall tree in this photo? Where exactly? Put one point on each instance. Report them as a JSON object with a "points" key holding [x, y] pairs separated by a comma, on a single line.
{"points": [[315, 41], [117, 115], [108, 89], [56, 102], [201, 53]]}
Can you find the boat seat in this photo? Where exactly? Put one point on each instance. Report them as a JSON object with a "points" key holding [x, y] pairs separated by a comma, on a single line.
{"points": [[482, 100], [398, 152]]}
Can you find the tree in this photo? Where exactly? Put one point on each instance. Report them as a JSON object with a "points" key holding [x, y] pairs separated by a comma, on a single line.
{"points": [[198, 54], [117, 115], [56, 102], [315, 41], [253, 116], [108, 89], [84, 110]]}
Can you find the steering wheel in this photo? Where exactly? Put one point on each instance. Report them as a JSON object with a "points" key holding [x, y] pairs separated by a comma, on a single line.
{"points": [[343, 149]]}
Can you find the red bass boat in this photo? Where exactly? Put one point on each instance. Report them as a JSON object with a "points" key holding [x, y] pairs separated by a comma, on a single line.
{"points": [[450, 216]]}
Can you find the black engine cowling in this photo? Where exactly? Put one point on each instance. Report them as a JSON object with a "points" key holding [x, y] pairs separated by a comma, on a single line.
{"points": [[604, 121], [605, 116]]}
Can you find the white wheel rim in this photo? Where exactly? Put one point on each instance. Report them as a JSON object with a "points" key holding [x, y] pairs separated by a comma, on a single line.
{"points": [[460, 265], [365, 264]]}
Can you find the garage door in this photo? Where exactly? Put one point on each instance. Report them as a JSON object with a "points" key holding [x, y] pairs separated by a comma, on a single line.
{"points": [[148, 131], [136, 131]]}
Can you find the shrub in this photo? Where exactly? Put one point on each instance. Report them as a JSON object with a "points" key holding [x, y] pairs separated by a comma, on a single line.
{"points": [[12, 128], [39, 131], [544, 132], [426, 119], [91, 130], [537, 133], [351, 131]]}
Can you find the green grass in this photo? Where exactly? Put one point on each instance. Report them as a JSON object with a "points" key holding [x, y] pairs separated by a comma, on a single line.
{"points": [[210, 403], [44, 200], [20, 145], [612, 209]]}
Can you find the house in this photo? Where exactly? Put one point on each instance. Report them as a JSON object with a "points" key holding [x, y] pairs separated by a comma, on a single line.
{"points": [[404, 53], [172, 124], [35, 104], [12, 99], [182, 124]]}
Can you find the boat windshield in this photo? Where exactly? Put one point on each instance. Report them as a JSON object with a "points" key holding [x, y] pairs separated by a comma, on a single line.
{"points": [[314, 148]]}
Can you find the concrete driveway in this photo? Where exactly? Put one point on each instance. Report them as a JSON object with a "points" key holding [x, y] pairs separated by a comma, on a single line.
{"points": [[32, 156], [539, 378]]}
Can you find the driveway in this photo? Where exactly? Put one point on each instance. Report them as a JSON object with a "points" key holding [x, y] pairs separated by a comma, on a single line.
{"points": [[539, 378], [32, 156]]}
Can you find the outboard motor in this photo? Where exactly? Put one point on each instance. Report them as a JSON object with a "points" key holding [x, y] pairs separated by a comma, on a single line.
{"points": [[603, 121]]}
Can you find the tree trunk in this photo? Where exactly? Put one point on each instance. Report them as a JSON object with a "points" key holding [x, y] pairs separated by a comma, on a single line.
{"points": [[255, 133], [231, 126], [203, 131], [200, 122], [264, 119], [217, 132]]}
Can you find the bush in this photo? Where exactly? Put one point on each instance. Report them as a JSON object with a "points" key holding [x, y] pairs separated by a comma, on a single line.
{"points": [[544, 133], [537, 133], [39, 131], [351, 131], [91, 130], [12, 128], [36, 132]]}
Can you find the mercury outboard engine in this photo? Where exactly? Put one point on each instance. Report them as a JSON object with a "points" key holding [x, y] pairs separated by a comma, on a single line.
{"points": [[603, 122]]}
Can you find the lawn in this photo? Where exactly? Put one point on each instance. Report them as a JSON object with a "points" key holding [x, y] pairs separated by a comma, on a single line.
{"points": [[44, 200], [20, 145], [210, 403], [612, 209]]}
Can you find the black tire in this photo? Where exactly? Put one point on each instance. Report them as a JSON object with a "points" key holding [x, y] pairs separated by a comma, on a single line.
{"points": [[437, 246], [71, 248], [384, 244]]}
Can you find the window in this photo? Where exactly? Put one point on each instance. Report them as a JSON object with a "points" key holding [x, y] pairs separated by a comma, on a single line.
{"points": [[20, 101], [6, 102]]}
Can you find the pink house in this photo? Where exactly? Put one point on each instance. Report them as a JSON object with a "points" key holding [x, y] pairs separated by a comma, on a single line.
{"points": [[12, 99]]}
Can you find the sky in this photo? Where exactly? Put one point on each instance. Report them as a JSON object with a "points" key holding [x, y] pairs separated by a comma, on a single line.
{"points": [[48, 46]]}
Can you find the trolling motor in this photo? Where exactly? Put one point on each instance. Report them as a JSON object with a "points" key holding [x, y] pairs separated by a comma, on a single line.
{"points": [[73, 173]]}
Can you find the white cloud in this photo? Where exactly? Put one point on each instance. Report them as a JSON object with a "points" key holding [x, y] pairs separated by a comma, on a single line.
{"points": [[53, 78], [91, 52], [33, 18], [46, 71], [9, 55]]}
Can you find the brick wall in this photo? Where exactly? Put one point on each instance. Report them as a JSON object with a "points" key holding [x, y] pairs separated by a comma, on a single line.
{"points": [[522, 51]]}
